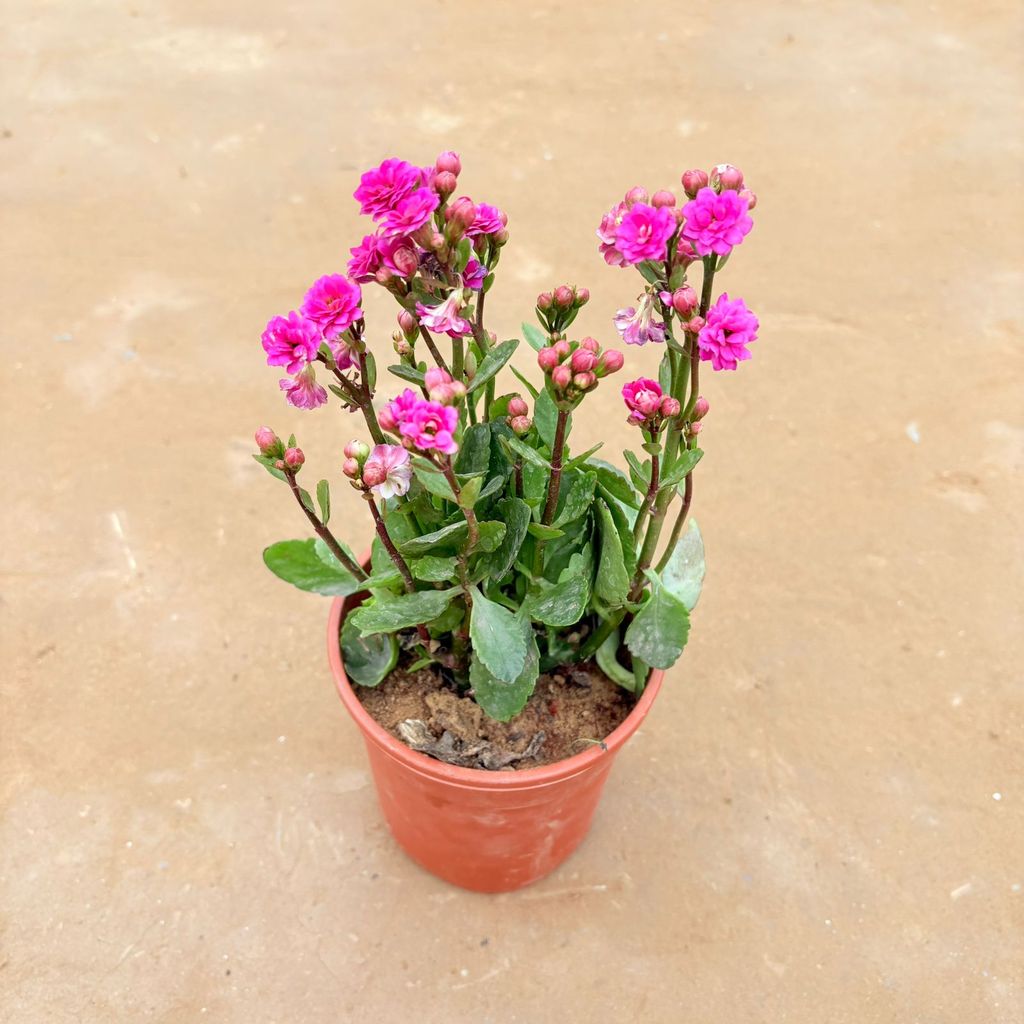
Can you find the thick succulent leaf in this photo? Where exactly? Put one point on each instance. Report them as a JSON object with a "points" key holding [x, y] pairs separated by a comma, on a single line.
{"points": [[499, 699], [560, 604], [434, 568], [448, 538], [498, 638], [683, 574], [390, 613], [576, 498], [658, 632], [609, 664], [368, 659], [297, 562], [495, 359], [515, 514], [535, 337], [474, 451], [612, 582]]}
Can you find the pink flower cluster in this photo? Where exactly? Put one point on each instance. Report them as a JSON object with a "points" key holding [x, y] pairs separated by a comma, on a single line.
{"points": [[715, 222], [634, 230], [728, 329], [646, 402], [422, 424]]}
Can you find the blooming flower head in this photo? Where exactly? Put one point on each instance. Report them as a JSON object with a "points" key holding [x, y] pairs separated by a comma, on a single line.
{"points": [[607, 231], [366, 259], [398, 254], [445, 318], [291, 341], [474, 274], [394, 413], [332, 303], [643, 233], [302, 390], [637, 325], [430, 426], [388, 471], [729, 328], [643, 399], [411, 213], [715, 223], [489, 221], [382, 188]]}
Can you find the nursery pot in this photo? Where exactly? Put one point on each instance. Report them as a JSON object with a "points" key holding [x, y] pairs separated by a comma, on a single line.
{"points": [[489, 831]]}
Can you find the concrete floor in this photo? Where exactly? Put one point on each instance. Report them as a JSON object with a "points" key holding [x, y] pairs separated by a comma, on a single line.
{"points": [[822, 821]]}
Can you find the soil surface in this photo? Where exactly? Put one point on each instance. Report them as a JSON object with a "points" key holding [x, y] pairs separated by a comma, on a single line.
{"points": [[568, 711]]}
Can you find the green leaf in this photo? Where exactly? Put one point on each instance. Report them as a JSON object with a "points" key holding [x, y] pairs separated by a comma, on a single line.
{"points": [[495, 484], [608, 662], [612, 583], [614, 481], [469, 493], [434, 568], [580, 459], [475, 450], [515, 514], [449, 620], [683, 465], [651, 272], [268, 463], [545, 418], [659, 630], [525, 382], [323, 499], [515, 447], [560, 604], [307, 501], [433, 481], [535, 337], [543, 532], [639, 472], [447, 538], [577, 498], [491, 536], [392, 613], [495, 359], [504, 700], [368, 659], [409, 373], [297, 562], [371, 372], [498, 638], [400, 527], [624, 524], [683, 575]]}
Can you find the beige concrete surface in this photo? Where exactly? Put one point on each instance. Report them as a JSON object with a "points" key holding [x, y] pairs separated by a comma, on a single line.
{"points": [[822, 821]]}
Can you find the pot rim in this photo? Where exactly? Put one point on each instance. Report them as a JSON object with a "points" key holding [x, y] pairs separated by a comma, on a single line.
{"points": [[475, 778]]}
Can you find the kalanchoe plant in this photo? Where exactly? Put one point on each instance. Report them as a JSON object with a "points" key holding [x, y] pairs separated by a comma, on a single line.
{"points": [[498, 553]]}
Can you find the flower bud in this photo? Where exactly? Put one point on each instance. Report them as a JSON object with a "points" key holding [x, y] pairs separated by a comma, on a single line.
{"points": [[561, 377], [435, 377], [386, 418], [520, 425], [700, 409], [751, 199], [562, 348], [725, 176], [685, 253], [374, 473], [684, 300], [610, 362], [637, 194], [695, 324], [564, 296], [383, 276], [409, 324], [695, 428], [501, 237], [694, 181], [445, 183], [582, 296], [517, 406], [357, 450], [547, 359], [448, 162], [590, 345], [402, 347], [461, 212], [350, 467], [582, 360], [469, 366], [405, 260], [266, 440], [663, 198], [585, 381], [544, 301], [293, 458], [669, 407]]}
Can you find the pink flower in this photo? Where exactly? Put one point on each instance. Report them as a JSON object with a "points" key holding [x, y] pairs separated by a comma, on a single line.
{"points": [[643, 399], [430, 425], [366, 260], [638, 326], [383, 188], [399, 255], [410, 213], [474, 274], [445, 318], [291, 341], [489, 221], [333, 304], [607, 231], [395, 412], [715, 223], [643, 233], [388, 471], [302, 390], [344, 358], [729, 328]]}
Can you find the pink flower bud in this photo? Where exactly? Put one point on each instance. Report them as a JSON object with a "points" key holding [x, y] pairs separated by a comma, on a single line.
{"points": [[458, 389], [694, 181], [636, 194], [356, 449], [435, 377], [695, 324], [590, 345], [279, 464], [582, 296], [386, 418], [293, 458], [408, 323], [663, 198], [436, 242], [562, 348], [520, 425], [374, 473], [585, 381], [544, 300], [350, 467], [684, 300], [695, 428], [610, 361], [669, 407], [448, 162], [563, 296], [266, 440], [751, 199], [517, 406], [445, 183], [501, 237], [685, 253], [461, 212], [547, 359], [402, 347], [725, 176], [582, 360], [700, 409], [561, 377], [406, 261]]}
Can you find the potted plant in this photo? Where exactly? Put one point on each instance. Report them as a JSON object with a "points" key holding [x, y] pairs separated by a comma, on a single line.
{"points": [[508, 629]]}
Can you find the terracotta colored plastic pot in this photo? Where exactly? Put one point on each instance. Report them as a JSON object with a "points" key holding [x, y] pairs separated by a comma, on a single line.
{"points": [[486, 831]]}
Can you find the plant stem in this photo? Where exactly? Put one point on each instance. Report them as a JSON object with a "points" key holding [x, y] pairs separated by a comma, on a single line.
{"points": [[389, 544], [458, 359], [481, 339], [556, 467], [367, 403], [649, 498], [608, 626], [677, 527], [322, 532], [425, 334], [474, 527]]}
